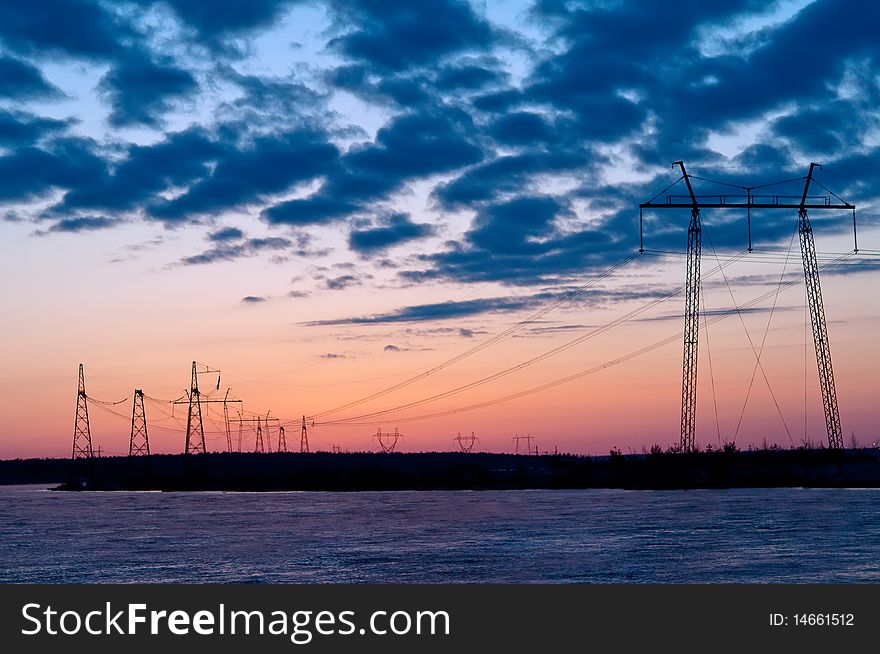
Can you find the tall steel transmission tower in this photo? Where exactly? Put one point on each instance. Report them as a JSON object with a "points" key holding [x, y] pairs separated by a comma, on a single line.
{"points": [[139, 443], [817, 319], [195, 428], [692, 286], [82, 435], [691, 324], [304, 437]]}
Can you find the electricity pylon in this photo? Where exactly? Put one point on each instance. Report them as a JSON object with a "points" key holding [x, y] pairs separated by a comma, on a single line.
{"points": [[817, 319], [387, 440], [466, 443], [82, 435], [529, 443], [282, 440], [811, 279], [258, 444], [195, 429], [139, 443], [304, 437]]}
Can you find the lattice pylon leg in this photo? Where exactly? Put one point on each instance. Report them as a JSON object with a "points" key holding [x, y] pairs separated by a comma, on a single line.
{"points": [[820, 332], [691, 335]]}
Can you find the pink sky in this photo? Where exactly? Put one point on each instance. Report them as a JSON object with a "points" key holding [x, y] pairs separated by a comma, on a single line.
{"points": [[137, 325]]}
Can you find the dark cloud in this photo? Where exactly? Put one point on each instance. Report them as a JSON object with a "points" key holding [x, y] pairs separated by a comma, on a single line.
{"points": [[29, 172], [19, 128], [512, 226], [270, 164], [216, 174], [83, 224], [439, 311], [144, 171], [390, 36], [770, 68], [142, 89], [414, 55], [409, 147], [333, 355], [140, 85], [834, 126], [341, 282], [618, 86], [398, 90], [499, 101], [506, 174], [309, 211], [224, 250], [469, 75], [219, 19], [391, 348], [252, 299], [269, 104], [397, 229], [77, 28], [517, 242], [522, 128], [457, 309], [22, 81], [226, 234]]}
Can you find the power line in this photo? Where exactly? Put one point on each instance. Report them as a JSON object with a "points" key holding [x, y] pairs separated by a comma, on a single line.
{"points": [[550, 353], [603, 366], [481, 346]]}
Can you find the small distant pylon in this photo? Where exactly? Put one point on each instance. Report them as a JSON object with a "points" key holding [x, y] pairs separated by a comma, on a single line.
{"points": [[282, 440], [82, 435], [304, 437], [268, 435], [387, 440], [258, 446], [139, 444], [466, 443], [240, 434], [529, 444], [226, 422]]}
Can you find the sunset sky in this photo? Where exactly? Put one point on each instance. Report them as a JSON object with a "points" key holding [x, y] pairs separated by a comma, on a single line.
{"points": [[324, 199]]}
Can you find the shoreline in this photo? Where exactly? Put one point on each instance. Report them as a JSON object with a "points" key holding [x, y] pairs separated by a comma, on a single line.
{"points": [[355, 472]]}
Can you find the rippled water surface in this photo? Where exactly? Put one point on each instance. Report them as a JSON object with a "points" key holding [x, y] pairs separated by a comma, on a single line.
{"points": [[782, 535]]}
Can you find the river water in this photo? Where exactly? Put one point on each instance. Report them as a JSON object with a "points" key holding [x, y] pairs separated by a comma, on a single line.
{"points": [[595, 536]]}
